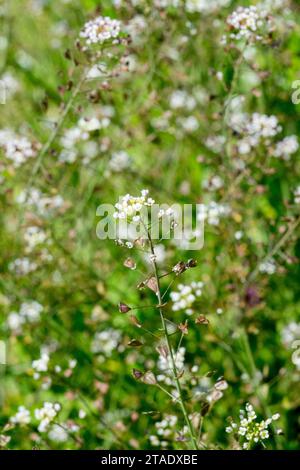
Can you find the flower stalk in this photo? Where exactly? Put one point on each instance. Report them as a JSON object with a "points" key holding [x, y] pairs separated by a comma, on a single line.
{"points": [[167, 337]]}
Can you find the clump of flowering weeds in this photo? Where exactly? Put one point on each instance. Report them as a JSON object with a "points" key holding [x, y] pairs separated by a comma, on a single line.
{"points": [[171, 364], [149, 96]]}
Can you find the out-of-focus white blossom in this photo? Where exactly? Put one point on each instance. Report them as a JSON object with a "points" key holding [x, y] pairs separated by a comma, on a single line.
{"points": [[180, 99], [18, 149], [58, 433], [40, 202], [21, 417], [165, 431], [41, 364], [212, 212], [268, 266], [34, 236], [184, 298], [29, 312], [164, 365], [105, 342], [22, 266], [214, 183], [286, 147], [256, 129], [119, 161], [215, 143], [189, 124], [46, 414], [10, 84], [205, 6], [290, 333]]}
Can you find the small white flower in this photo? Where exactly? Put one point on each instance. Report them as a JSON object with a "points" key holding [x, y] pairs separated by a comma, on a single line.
{"points": [[46, 414], [212, 212], [287, 147], [119, 161], [17, 148], [21, 417], [268, 266], [276, 416], [22, 266], [185, 296], [58, 433], [41, 364], [106, 341]]}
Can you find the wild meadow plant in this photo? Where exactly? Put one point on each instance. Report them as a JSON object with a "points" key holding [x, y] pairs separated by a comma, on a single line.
{"points": [[182, 331]]}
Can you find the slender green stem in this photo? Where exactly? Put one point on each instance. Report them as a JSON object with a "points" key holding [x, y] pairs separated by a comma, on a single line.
{"points": [[46, 147], [171, 354]]}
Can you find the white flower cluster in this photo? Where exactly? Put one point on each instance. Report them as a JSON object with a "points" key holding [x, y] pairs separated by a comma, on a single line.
{"points": [[136, 27], [119, 161], [164, 364], [40, 365], [180, 99], [247, 23], [262, 126], [58, 433], [273, 5], [290, 334], [166, 429], [131, 206], [213, 184], [268, 266], [101, 29], [29, 313], [105, 342], [188, 124], [10, 84], [40, 202], [286, 147], [258, 128], [34, 236], [21, 417], [46, 414], [22, 266], [77, 139], [251, 431], [205, 6], [17, 148], [166, 3], [194, 6], [184, 298], [297, 195], [212, 212], [215, 143]]}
